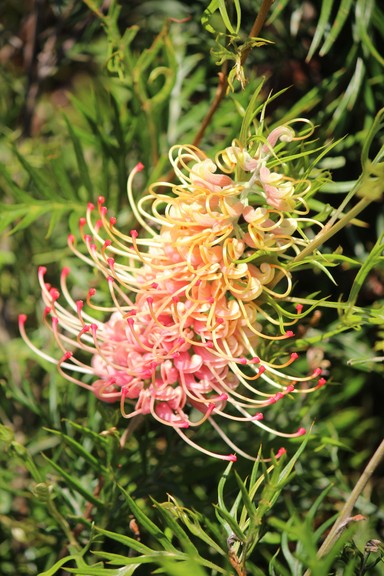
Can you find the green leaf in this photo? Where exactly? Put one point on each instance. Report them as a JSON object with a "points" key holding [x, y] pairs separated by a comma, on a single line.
{"points": [[80, 450], [75, 484], [177, 530], [341, 16], [59, 564], [146, 523], [326, 7], [81, 163]]}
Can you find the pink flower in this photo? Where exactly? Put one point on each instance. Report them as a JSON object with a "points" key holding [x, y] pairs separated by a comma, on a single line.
{"points": [[191, 297]]}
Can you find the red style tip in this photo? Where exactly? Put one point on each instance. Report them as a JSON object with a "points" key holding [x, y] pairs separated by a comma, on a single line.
{"points": [[321, 382], [110, 280], [65, 271], [299, 308], [66, 356], [280, 452], [294, 356], [91, 292], [258, 416], [242, 360], [91, 206], [255, 360], [289, 334], [111, 262], [107, 243], [301, 432], [209, 344], [82, 222], [154, 285], [134, 233], [175, 299], [22, 318], [150, 300], [232, 457], [139, 167], [42, 270], [289, 388], [262, 369], [316, 372], [112, 220], [71, 239], [210, 300], [100, 200]]}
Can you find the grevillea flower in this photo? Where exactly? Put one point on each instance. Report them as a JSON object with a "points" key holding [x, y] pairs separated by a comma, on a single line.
{"points": [[194, 294]]}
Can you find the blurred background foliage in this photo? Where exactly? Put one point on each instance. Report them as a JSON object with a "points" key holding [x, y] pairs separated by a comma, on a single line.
{"points": [[88, 89]]}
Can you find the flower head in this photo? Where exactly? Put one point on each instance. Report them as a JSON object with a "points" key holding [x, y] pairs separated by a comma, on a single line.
{"points": [[192, 293]]}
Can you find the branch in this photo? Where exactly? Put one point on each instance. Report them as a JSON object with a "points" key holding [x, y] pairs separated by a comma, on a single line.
{"points": [[223, 80]]}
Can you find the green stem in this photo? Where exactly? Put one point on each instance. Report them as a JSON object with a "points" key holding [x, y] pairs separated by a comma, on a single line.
{"points": [[223, 80], [345, 513]]}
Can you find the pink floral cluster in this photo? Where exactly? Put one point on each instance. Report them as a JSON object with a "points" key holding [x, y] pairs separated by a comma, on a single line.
{"points": [[191, 294]]}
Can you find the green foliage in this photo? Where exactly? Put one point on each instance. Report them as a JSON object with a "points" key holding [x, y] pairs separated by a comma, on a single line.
{"points": [[73, 496]]}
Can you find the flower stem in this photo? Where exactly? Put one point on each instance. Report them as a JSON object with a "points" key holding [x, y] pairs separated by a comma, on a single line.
{"points": [[223, 79], [350, 503]]}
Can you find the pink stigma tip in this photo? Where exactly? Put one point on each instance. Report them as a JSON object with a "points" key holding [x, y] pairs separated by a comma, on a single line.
{"points": [[290, 388], [210, 300], [42, 269], [150, 300], [103, 210], [107, 243], [316, 372], [134, 233], [258, 416], [91, 206], [242, 360], [66, 356], [280, 452], [91, 292], [139, 167], [232, 457], [154, 285], [110, 280], [220, 320], [71, 238], [209, 344], [255, 360], [321, 382], [289, 334], [22, 318], [299, 308], [101, 200], [294, 356], [301, 432], [82, 222], [65, 271], [175, 299], [112, 220], [262, 369]]}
